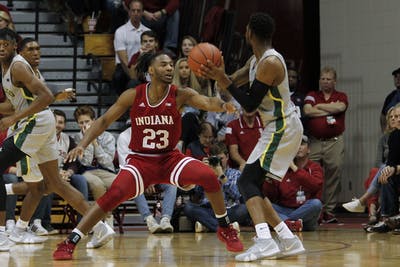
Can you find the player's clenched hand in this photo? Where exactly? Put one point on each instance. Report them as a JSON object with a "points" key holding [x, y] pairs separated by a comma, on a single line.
{"points": [[75, 153]]}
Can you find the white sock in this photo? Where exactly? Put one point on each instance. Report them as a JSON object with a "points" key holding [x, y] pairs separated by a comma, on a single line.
{"points": [[9, 189], [78, 232], [222, 215], [22, 224], [283, 231], [262, 230]]}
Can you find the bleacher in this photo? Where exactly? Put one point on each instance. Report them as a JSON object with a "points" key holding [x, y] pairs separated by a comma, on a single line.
{"points": [[70, 61]]}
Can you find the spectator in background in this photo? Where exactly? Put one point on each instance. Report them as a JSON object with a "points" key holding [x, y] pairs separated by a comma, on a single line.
{"points": [[169, 195], [188, 42], [242, 136], [370, 197], [296, 95], [326, 110], [389, 179], [392, 99], [200, 148], [296, 198], [199, 209], [149, 44], [162, 16], [126, 44], [184, 77], [5, 18], [97, 160]]}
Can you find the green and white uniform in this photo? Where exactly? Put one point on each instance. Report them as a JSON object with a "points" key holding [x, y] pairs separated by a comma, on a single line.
{"points": [[34, 135], [281, 138]]}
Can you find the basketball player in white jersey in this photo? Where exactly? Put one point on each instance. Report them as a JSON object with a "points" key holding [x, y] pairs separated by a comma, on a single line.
{"points": [[34, 136], [279, 142]]}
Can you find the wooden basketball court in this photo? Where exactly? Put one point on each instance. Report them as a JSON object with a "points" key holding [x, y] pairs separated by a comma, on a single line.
{"points": [[332, 247]]}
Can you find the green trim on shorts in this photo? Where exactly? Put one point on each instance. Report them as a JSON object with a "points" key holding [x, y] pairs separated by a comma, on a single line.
{"points": [[20, 138], [24, 165], [280, 125], [272, 147]]}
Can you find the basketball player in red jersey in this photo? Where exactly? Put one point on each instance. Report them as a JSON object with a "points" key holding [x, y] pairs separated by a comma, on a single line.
{"points": [[156, 129]]}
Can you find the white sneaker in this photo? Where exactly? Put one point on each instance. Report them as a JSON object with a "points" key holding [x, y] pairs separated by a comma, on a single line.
{"points": [[10, 224], [199, 228], [102, 233], [291, 246], [166, 226], [354, 206], [22, 236], [5, 242], [37, 228], [262, 248], [152, 225]]}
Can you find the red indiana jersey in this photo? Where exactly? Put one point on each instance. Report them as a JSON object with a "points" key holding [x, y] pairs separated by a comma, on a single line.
{"points": [[155, 128]]}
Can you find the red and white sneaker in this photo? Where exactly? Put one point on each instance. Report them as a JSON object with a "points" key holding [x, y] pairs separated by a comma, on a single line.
{"points": [[229, 236], [64, 250], [295, 226]]}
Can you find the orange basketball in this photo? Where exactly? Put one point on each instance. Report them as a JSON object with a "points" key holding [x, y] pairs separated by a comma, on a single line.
{"points": [[200, 53]]}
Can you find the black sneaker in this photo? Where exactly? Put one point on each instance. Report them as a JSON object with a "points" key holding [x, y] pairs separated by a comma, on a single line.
{"points": [[380, 227], [393, 222], [329, 218]]}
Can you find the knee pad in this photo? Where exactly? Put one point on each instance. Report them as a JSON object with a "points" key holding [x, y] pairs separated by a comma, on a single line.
{"points": [[112, 198], [251, 180]]}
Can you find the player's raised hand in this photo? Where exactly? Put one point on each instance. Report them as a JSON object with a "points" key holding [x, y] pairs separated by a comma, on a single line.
{"points": [[74, 154], [211, 71]]}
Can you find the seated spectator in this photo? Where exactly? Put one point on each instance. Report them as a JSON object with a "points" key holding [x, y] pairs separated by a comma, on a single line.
{"points": [[41, 219], [389, 179], [97, 160], [370, 197], [296, 198], [200, 148], [163, 17], [5, 18], [184, 77], [241, 137], [219, 120], [188, 42], [199, 210], [169, 193], [126, 44], [149, 44]]}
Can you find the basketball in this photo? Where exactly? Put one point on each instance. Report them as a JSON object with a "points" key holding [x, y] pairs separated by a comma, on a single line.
{"points": [[200, 53]]}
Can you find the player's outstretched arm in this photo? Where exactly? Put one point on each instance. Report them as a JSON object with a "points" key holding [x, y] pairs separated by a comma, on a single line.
{"points": [[188, 96]]}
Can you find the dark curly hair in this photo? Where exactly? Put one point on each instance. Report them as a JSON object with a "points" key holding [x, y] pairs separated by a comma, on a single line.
{"points": [[262, 25]]}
